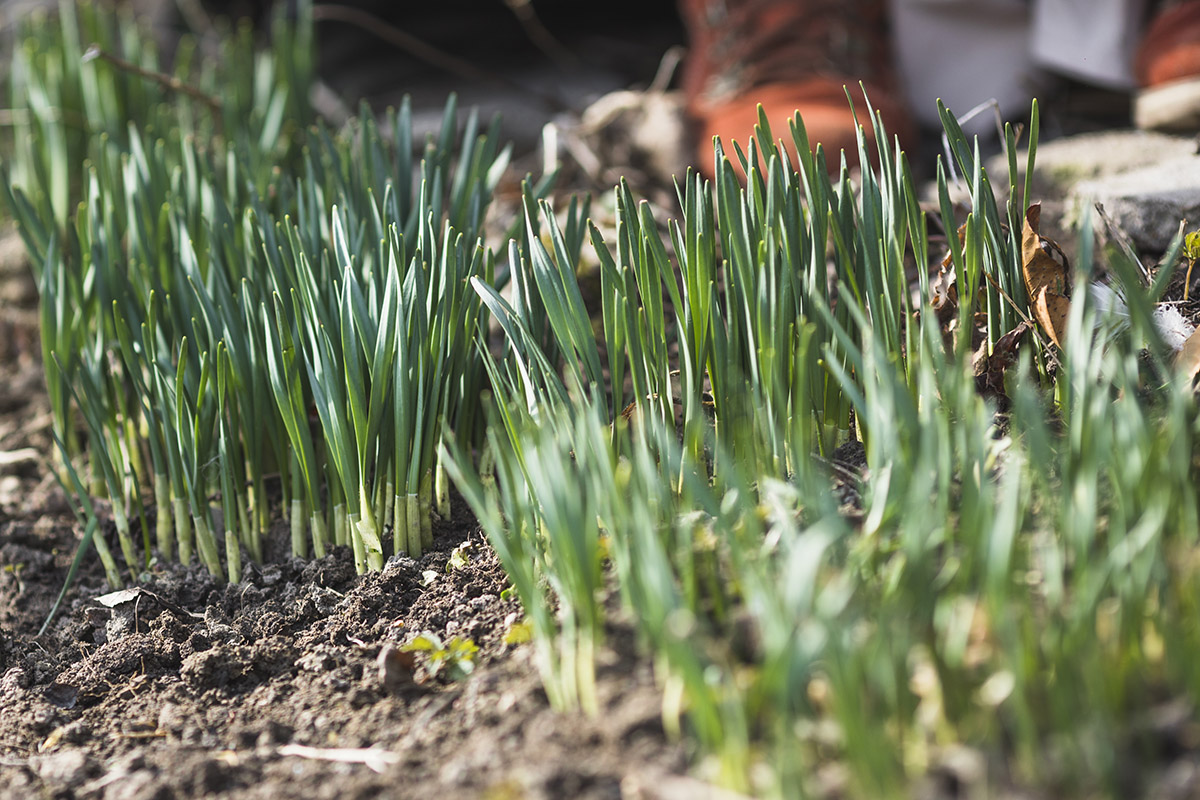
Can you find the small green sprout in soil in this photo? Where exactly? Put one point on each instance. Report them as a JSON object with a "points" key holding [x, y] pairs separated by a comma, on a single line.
{"points": [[452, 660]]}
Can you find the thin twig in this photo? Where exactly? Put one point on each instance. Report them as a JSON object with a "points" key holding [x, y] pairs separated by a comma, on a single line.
{"points": [[965, 118], [333, 12], [168, 82], [1114, 231], [1024, 317], [143, 735], [666, 68], [541, 37]]}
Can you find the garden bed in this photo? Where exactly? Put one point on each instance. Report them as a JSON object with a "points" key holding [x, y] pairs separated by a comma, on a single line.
{"points": [[766, 472]]}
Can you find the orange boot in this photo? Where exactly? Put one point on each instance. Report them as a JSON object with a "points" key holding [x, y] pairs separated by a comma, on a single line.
{"points": [[1167, 68], [788, 55]]}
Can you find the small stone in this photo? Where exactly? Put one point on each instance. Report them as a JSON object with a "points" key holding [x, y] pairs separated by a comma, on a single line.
{"points": [[10, 491], [172, 718], [64, 768], [396, 668], [62, 695], [135, 786]]}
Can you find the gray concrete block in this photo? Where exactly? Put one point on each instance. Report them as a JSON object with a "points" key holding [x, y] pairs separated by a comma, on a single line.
{"points": [[1147, 203], [1146, 181]]}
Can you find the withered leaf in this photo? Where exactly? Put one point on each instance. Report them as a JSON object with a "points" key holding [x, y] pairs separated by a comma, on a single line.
{"points": [[1047, 278], [989, 374], [946, 282], [1005, 351]]}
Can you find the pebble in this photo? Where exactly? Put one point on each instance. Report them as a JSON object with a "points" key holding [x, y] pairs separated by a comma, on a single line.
{"points": [[396, 668], [64, 768], [171, 717], [13, 681], [10, 491]]}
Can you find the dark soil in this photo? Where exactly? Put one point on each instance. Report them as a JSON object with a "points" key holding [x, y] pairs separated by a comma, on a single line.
{"points": [[194, 688]]}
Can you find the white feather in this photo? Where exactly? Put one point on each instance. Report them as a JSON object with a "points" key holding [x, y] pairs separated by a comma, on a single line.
{"points": [[1113, 313]]}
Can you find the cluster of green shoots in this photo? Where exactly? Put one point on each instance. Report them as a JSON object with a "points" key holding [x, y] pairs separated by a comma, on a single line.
{"points": [[1020, 581], [238, 296]]}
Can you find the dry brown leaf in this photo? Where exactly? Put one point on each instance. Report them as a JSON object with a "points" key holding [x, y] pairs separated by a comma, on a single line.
{"points": [[1188, 360], [1047, 277], [945, 283], [1005, 351], [990, 371]]}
